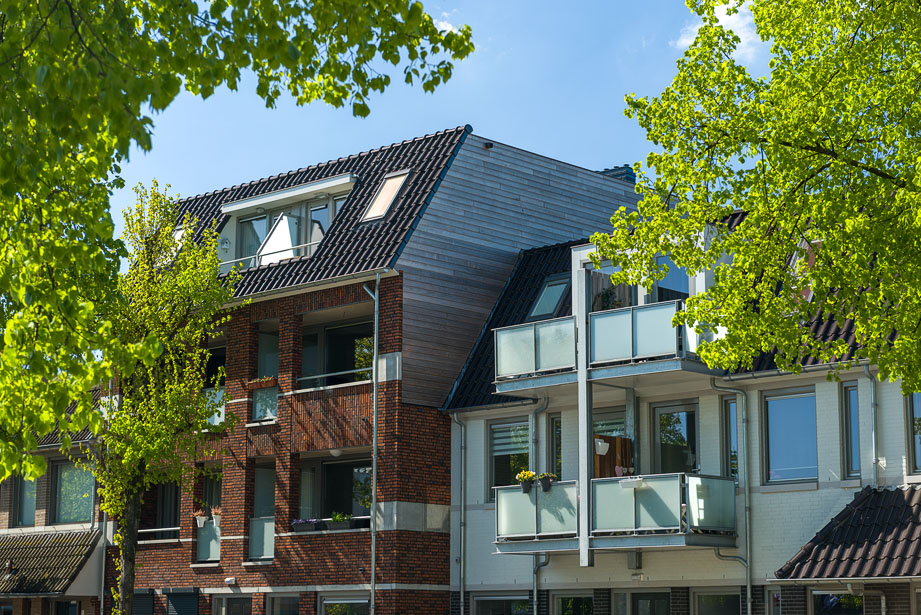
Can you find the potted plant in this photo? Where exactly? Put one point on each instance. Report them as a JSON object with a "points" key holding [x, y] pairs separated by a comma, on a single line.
{"points": [[546, 478], [305, 525], [216, 515], [525, 478], [339, 521], [200, 517], [262, 383]]}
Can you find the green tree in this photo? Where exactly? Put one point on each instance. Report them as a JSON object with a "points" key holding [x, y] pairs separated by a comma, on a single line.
{"points": [[822, 154], [80, 81], [156, 419]]}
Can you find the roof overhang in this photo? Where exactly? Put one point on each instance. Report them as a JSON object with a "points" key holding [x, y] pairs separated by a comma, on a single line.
{"points": [[842, 580], [279, 198]]}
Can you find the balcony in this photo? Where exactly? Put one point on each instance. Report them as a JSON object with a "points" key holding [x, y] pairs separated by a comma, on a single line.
{"points": [[536, 348], [538, 520], [636, 333], [266, 258], [664, 510], [261, 538], [209, 542]]}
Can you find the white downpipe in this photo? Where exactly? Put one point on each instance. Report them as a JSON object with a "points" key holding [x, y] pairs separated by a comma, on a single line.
{"points": [[532, 461], [742, 398], [874, 410], [376, 295]]}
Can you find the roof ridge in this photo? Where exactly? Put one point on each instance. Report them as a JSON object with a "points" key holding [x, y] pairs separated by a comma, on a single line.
{"points": [[465, 128]]}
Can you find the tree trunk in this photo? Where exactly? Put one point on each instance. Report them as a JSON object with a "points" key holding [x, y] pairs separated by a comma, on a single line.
{"points": [[128, 527]]}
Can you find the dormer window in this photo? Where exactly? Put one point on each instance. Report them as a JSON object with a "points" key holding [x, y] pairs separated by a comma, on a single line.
{"points": [[550, 299], [385, 196]]}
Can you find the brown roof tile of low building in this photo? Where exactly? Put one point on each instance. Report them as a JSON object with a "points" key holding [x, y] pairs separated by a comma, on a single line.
{"points": [[43, 562]]}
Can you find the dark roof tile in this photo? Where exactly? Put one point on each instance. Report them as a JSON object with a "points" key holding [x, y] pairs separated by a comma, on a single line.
{"points": [[43, 562]]}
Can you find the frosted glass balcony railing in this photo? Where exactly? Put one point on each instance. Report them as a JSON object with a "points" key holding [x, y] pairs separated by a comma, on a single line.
{"points": [[535, 347], [538, 513], [637, 332], [209, 542], [216, 394], [262, 538], [672, 503], [265, 403]]}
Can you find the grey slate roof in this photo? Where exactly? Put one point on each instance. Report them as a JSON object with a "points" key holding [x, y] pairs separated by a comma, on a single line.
{"points": [[878, 534], [349, 246], [474, 386], [43, 562]]}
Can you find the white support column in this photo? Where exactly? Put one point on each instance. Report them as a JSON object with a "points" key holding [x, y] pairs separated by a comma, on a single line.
{"points": [[581, 301]]}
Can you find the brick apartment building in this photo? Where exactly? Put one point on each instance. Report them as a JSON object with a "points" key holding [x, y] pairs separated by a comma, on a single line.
{"points": [[423, 234]]}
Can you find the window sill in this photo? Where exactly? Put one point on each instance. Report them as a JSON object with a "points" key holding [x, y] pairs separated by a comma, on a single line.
{"points": [[850, 483], [911, 479], [159, 541], [262, 423], [205, 565], [259, 562], [782, 487]]}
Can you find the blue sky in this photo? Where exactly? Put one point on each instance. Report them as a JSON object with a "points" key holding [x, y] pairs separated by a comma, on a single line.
{"points": [[546, 77]]}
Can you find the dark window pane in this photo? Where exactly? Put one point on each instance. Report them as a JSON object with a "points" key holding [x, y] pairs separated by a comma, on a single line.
{"points": [[267, 364], [791, 438], [310, 359], [732, 439], [319, 223], [346, 608], [252, 234], [837, 604], [674, 285], [719, 604], [264, 492], [915, 418], [239, 606], [677, 441], [347, 488], [503, 607], [167, 510], [851, 431], [217, 358], [25, 504], [350, 348], [650, 604], [576, 605], [556, 427], [509, 452], [549, 298]]}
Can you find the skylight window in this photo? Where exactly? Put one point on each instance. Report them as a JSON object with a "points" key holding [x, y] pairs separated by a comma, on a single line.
{"points": [[385, 196], [550, 298]]}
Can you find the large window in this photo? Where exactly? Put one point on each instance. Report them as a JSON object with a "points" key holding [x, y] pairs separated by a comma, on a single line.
{"points": [[330, 487], [572, 605], [675, 285], [344, 606], [265, 400], [72, 493], [252, 233], [676, 438], [730, 438], [336, 355], [231, 606], [214, 380], [286, 233], [719, 604], [850, 423], [837, 604], [508, 452], [281, 605], [790, 437], [24, 502]]}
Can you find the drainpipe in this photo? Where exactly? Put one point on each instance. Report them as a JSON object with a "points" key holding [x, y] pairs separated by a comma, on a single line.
{"points": [[874, 408], [376, 295], [462, 564], [746, 475], [532, 461], [537, 566]]}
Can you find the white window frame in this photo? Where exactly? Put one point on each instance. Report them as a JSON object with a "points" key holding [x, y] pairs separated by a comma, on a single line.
{"points": [[366, 217]]}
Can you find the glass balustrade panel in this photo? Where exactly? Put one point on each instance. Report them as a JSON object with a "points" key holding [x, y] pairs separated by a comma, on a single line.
{"points": [[658, 502], [556, 346], [653, 333], [614, 506], [515, 514], [261, 538], [515, 351], [558, 509], [711, 503], [265, 403], [612, 339], [209, 542]]}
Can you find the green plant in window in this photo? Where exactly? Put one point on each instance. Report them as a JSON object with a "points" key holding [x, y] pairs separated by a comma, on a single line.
{"points": [[337, 517], [361, 491]]}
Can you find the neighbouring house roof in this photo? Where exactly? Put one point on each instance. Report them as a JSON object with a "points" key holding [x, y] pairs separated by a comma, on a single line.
{"points": [[475, 384], [84, 435], [878, 534], [43, 562], [350, 246]]}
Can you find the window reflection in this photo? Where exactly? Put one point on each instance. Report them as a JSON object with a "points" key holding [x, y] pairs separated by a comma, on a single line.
{"points": [[791, 438]]}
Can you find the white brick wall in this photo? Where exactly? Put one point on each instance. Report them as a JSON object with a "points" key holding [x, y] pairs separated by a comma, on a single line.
{"points": [[782, 520]]}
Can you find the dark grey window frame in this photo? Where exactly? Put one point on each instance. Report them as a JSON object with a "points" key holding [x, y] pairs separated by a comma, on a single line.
{"points": [[848, 430]]}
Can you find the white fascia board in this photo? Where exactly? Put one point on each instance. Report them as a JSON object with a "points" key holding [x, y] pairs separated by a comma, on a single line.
{"points": [[339, 183]]}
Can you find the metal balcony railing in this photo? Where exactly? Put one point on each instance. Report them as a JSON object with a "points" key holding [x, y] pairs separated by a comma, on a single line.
{"points": [[538, 514], [663, 503], [636, 333], [535, 347]]}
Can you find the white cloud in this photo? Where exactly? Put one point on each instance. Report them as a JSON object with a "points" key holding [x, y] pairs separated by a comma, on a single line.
{"points": [[749, 49], [444, 24]]}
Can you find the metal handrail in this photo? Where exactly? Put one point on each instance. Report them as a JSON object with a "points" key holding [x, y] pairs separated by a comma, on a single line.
{"points": [[159, 529], [330, 375], [258, 255]]}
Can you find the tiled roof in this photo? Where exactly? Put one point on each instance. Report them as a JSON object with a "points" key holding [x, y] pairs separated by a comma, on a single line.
{"points": [[474, 386], [350, 246], [43, 562], [84, 435], [878, 534]]}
